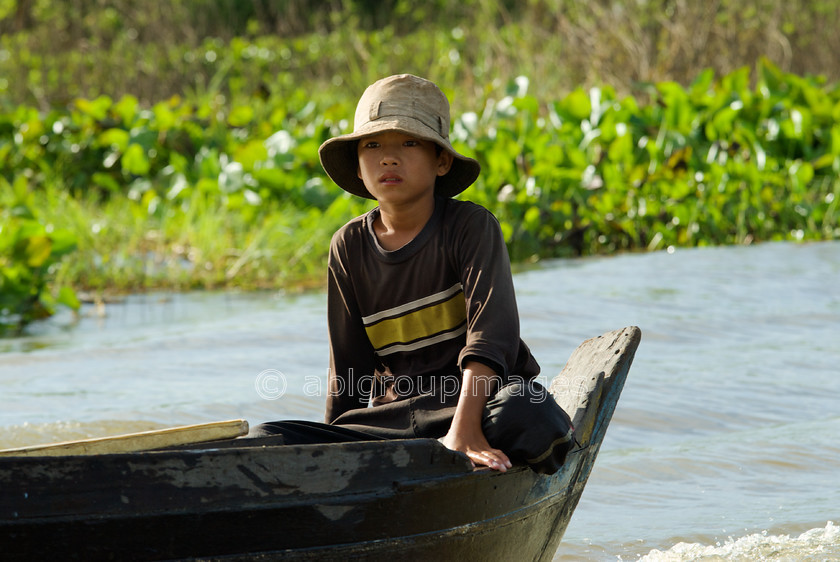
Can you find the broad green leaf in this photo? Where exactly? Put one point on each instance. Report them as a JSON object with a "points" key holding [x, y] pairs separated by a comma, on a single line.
{"points": [[722, 124], [106, 181], [702, 85], [835, 139], [771, 79], [241, 115], [68, 298], [115, 137], [134, 160], [532, 217], [678, 112], [98, 108], [825, 161], [507, 231], [621, 150], [63, 242], [577, 105], [250, 153], [38, 250], [164, 117], [802, 172], [126, 109], [271, 177]]}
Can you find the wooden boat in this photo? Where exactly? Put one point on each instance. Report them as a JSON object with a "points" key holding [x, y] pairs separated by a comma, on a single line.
{"points": [[365, 500]]}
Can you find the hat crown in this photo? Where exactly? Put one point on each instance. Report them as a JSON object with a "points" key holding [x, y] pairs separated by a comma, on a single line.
{"points": [[404, 95]]}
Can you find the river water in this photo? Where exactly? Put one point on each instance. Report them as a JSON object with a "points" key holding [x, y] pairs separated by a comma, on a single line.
{"points": [[724, 445]]}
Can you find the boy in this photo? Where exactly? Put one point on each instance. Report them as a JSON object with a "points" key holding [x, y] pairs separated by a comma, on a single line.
{"points": [[422, 315]]}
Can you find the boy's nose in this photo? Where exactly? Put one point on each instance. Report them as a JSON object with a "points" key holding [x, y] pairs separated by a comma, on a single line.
{"points": [[389, 159], [390, 154]]}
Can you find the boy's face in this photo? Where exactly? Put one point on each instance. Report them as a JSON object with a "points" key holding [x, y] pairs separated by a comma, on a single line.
{"points": [[399, 168]]}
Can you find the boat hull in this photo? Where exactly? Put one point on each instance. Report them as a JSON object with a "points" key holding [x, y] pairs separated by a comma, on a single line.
{"points": [[231, 501], [363, 500]]}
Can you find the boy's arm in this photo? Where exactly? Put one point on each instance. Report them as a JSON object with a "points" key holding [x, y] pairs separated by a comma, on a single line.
{"points": [[351, 356], [481, 258], [494, 351], [465, 433]]}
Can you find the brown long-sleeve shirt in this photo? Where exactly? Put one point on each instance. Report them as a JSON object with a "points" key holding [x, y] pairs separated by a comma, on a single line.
{"points": [[404, 322]]}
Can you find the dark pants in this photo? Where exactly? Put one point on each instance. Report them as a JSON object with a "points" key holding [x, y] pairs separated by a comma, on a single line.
{"points": [[521, 419]]}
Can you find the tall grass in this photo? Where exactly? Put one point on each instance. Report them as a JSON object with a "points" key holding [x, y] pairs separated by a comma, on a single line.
{"points": [[51, 52], [198, 244]]}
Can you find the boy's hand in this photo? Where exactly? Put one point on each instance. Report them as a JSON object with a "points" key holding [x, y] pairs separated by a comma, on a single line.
{"points": [[465, 434]]}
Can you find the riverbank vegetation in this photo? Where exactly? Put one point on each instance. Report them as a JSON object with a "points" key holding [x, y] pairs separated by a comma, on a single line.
{"points": [[156, 146]]}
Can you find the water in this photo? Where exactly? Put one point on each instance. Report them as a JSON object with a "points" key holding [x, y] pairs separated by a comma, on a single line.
{"points": [[723, 446]]}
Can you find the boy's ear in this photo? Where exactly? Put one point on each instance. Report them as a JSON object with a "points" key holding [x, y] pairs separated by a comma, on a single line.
{"points": [[444, 162]]}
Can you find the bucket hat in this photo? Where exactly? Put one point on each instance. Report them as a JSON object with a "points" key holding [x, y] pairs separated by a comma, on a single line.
{"points": [[404, 103]]}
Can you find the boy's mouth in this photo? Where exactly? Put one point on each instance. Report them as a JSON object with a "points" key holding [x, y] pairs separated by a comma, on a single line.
{"points": [[390, 178]]}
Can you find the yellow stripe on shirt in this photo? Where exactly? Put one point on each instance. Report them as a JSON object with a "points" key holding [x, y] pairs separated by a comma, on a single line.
{"points": [[413, 305], [420, 324]]}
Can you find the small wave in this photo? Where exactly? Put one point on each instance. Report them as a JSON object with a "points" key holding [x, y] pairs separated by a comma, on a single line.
{"points": [[817, 545]]}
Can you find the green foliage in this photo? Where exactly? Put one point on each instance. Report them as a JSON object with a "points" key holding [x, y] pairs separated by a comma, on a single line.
{"points": [[29, 251], [174, 144], [215, 194], [718, 162]]}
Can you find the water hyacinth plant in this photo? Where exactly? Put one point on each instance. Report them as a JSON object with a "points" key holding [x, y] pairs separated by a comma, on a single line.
{"points": [[29, 252], [719, 162]]}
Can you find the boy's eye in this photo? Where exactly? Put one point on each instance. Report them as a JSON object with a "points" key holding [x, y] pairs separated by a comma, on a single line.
{"points": [[371, 144], [411, 142]]}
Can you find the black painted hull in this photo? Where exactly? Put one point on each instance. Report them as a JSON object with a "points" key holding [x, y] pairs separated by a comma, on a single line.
{"points": [[373, 500]]}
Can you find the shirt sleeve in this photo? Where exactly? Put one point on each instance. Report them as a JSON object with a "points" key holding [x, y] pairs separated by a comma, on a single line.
{"points": [[352, 360], [492, 317]]}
